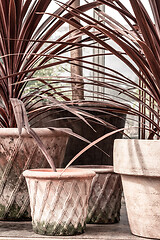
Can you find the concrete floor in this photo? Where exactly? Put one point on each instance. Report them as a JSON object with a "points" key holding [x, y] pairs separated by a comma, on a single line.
{"points": [[23, 231]]}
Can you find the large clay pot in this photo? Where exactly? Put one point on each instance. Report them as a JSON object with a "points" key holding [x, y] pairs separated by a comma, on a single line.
{"points": [[105, 198], [138, 162], [109, 113], [59, 200], [18, 154]]}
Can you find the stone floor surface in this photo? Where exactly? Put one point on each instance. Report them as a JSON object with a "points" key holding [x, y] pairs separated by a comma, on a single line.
{"points": [[23, 231]]}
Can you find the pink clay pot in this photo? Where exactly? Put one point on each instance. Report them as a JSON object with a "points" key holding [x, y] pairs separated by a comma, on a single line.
{"points": [[18, 154], [138, 162], [59, 200]]}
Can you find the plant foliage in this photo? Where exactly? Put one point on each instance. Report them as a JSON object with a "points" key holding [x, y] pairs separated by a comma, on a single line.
{"points": [[138, 41], [25, 48]]}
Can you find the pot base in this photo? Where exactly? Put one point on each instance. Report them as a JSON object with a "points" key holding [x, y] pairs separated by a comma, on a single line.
{"points": [[55, 229], [14, 213]]}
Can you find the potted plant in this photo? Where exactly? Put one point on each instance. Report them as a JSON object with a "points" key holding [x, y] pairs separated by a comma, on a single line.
{"points": [[58, 197], [111, 116], [59, 200], [139, 48], [25, 49]]}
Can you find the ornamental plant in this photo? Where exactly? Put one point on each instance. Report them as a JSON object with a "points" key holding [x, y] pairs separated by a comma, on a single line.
{"points": [[26, 47], [136, 43]]}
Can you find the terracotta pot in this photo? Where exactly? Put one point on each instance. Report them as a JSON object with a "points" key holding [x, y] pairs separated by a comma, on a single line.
{"points": [[138, 161], [59, 200], [105, 198], [108, 113], [16, 155]]}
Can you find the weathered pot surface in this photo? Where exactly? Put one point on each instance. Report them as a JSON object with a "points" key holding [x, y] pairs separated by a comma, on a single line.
{"points": [[18, 154], [107, 112], [59, 200], [105, 198], [140, 157], [138, 162]]}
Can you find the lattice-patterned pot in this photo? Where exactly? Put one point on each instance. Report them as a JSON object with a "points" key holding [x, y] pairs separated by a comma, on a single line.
{"points": [[18, 154], [59, 200], [105, 198]]}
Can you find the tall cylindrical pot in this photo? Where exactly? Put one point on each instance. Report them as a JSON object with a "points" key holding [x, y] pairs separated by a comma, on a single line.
{"points": [[138, 162], [59, 200]]}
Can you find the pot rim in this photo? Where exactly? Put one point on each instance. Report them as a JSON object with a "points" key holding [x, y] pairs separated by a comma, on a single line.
{"points": [[139, 157], [137, 140], [85, 103], [4, 132], [96, 168], [69, 173]]}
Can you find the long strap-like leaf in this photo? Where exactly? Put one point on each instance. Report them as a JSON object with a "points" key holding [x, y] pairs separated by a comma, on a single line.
{"points": [[22, 121]]}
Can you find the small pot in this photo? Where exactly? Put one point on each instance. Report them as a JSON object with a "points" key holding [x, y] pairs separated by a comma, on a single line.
{"points": [[59, 200], [105, 198]]}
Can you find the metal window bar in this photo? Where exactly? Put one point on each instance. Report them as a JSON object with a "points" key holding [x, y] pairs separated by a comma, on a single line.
{"points": [[100, 59]]}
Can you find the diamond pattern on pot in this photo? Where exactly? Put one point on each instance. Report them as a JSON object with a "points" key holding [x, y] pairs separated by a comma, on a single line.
{"points": [[59, 202], [105, 199], [17, 155]]}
